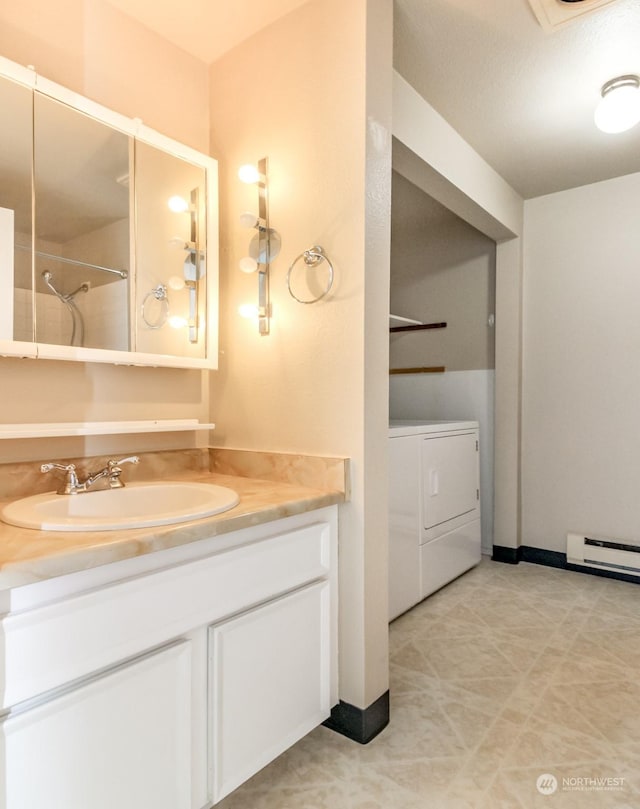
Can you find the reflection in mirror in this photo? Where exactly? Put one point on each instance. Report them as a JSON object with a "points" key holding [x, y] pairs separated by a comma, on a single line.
{"points": [[170, 306], [69, 283], [82, 245], [16, 318]]}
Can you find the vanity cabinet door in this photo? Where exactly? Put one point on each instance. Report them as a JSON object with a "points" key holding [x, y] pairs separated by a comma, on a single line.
{"points": [[269, 683], [120, 740]]}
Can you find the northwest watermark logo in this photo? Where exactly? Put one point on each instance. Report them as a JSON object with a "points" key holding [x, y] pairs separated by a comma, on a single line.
{"points": [[546, 784]]}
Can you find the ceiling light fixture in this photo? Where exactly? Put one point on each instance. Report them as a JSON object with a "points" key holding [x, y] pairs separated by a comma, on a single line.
{"points": [[619, 107]]}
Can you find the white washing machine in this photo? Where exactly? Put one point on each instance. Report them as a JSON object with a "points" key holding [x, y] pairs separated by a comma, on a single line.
{"points": [[434, 507]]}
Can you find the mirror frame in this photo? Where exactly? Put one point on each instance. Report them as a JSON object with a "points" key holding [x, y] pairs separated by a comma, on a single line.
{"points": [[134, 128]]}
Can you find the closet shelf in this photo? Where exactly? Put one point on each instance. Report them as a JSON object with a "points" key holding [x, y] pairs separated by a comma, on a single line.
{"points": [[408, 324], [403, 321], [51, 430], [434, 369]]}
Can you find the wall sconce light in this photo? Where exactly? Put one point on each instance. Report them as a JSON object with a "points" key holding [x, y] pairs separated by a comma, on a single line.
{"points": [[619, 107], [263, 247], [194, 268]]}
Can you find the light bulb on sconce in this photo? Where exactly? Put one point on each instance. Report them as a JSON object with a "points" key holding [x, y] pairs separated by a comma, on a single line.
{"points": [[248, 174], [176, 283], [177, 205], [248, 264], [248, 310], [249, 220]]}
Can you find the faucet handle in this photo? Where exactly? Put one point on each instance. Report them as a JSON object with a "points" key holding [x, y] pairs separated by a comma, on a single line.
{"points": [[48, 467], [113, 471], [130, 459], [70, 485]]}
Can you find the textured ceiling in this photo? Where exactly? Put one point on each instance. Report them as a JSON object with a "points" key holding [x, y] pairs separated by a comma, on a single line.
{"points": [[523, 98]]}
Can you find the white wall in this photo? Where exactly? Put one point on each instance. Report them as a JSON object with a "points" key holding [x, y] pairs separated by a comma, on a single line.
{"points": [[581, 383]]}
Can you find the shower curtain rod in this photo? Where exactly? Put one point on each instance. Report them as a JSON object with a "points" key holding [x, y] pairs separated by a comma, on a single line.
{"points": [[121, 273]]}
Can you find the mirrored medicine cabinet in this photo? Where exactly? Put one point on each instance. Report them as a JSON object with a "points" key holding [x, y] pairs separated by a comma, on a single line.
{"points": [[108, 234]]}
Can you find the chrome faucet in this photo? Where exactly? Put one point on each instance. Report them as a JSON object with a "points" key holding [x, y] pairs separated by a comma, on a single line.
{"points": [[110, 476]]}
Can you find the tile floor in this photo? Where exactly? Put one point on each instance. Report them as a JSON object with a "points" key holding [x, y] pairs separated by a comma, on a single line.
{"points": [[508, 673]]}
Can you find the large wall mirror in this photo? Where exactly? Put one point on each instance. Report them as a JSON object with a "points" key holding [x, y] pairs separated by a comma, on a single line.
{"points": [[107, 235]]}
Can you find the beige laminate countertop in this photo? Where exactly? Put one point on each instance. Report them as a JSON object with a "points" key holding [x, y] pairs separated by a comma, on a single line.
{"points": [[28, 556]]}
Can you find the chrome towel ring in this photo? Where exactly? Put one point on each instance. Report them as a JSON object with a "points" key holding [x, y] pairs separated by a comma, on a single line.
{"points": [[312, 258], [159, 294]]}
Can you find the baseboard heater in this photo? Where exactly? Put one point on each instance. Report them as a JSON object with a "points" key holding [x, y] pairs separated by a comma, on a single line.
{"points": [[604, 554]]}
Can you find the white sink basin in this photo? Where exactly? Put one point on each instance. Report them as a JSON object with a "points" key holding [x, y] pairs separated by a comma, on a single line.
{"points": [[137, 505]]}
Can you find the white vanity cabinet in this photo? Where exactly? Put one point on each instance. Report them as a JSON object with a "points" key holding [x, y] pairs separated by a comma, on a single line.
{"points": [[166, 680], [120, 740], [269, 678], [434, 508]]}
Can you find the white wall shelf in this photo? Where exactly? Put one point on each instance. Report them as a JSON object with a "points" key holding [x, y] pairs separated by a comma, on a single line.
{"points": [[397, 323], [44, 430], [396, 320]]}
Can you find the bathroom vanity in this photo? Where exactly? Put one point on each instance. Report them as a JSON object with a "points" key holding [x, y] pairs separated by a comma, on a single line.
{"points": [[167, 679], [434, 507]]}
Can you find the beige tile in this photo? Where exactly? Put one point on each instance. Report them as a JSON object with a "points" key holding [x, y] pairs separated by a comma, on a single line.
{"points": [[548, 745], [468, 657]]}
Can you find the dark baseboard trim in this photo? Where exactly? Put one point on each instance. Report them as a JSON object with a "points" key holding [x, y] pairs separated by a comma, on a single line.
{"points": [[510, 556], [540, 556], [360, 724]]}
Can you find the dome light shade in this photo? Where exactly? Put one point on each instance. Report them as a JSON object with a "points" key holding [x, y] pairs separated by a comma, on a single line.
{"points": [[619, 108]]}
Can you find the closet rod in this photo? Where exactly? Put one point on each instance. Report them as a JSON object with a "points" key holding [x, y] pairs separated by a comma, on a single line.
{"points": [[418, 327]]}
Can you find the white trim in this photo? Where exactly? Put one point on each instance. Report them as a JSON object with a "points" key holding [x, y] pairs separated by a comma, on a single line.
{"points": [[19, 73], [6, 273], [39, 430]]}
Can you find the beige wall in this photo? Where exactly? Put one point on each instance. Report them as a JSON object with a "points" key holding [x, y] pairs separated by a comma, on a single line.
{"points": [[296, 92], [581, 387], [95, 50], [442, 270]]}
